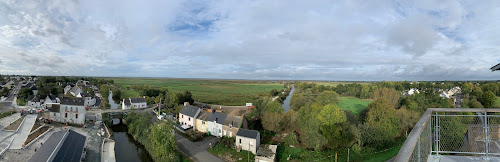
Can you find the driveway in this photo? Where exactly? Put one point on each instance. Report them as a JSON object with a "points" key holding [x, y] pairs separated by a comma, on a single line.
{"points": [[205, 144], [194, 151]]}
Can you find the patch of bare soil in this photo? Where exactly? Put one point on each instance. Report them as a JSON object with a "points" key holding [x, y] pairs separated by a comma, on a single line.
{"points": [[15, 125], [34, 135]]}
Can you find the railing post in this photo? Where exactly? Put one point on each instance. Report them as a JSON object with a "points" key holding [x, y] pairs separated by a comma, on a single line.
{"points": [[486, 136], [436, 138], [418, 143]]}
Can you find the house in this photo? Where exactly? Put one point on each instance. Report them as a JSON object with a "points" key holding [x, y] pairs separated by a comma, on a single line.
{"points": [[39, 101], [231, 125], [413, 91], [202, 121], [188, 115], [247, 140], [72, 110], [75, 90], [34, 89], [134, 103], [88, 99], [68, 88], [215, 122], [62, 146], [266, 153]]}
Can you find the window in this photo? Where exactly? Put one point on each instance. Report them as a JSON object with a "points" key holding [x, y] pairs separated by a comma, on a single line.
{"points": [[182, 116], [240, 140], [66, 115], [189, 119], [76, 116], [202, 122]]}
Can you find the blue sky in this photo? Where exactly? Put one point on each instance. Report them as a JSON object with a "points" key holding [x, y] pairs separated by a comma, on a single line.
{"points": [[254, 39]]}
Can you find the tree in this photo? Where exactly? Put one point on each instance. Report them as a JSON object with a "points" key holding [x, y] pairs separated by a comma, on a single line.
{"points": [[383, 115], [477, 92], [333, 124], [327, 97], [163, 142], [473, 103], [489, 99], [273, 92], [407, 120], [271, 121], [290, 121], [117, 94], [24, 93], [390, 94]]}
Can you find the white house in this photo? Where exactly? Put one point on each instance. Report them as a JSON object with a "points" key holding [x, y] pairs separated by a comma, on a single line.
{"points": [[187, 116], [248, 140], [215, 122], [75, 90], [39, 101], [134, 103], [88, 99], [72, 110], [413, 91], [67, 88]]}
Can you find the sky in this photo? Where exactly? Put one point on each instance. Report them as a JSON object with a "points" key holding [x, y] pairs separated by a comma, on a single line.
{"points": [[252, 39]]}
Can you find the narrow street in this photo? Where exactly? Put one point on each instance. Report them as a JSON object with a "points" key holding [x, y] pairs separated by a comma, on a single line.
{"points": [[195, 151]]}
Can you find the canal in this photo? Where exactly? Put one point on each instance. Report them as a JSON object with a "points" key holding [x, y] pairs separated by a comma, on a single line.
{"points": [[126, 147], [112, 102], [286, 103]]}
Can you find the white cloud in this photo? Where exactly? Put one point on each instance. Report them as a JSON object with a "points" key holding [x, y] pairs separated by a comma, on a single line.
{"points": [[339, 40]]}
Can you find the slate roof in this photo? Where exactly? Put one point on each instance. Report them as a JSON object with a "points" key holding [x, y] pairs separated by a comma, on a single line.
{"points": [[35, 99], [72, 148], [217, 117], [126, 102], [74, 89], [84, 94], [204, 115], [72, 101], [232, 120], [33, 88], [137, 100], [30, 97], [247, 133], [43, 153], [189, 110]]}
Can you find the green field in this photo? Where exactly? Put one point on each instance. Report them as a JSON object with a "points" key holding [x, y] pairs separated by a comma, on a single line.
{"points": [[334, 84], [354, 104], [224, 92], [498, 101]]}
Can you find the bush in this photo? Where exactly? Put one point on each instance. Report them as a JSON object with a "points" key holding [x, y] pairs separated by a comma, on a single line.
{"points": [[291, 139], [227, 142]]}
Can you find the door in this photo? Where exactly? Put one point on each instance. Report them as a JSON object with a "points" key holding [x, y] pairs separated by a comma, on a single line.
{"points": [[225, 133]]}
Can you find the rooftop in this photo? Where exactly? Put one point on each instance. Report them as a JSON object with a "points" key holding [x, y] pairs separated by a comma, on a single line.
{"points": [[247, 133], [189, 110]]}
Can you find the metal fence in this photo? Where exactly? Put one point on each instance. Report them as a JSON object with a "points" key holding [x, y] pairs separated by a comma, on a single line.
{"points": [[453, 131]]}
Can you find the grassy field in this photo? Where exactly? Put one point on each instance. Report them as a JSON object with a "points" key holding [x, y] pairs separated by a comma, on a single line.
{"points": [[222, 151], [334, 84], [498, 101], [224, 92], [354, 104]]}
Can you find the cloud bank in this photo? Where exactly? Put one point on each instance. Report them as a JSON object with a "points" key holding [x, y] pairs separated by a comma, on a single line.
{"points": [[252, 39]]}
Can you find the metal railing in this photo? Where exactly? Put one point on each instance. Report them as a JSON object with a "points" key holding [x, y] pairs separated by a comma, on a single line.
{"points": [[453, 131]]}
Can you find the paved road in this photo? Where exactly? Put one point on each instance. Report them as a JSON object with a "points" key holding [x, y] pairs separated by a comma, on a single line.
{"points": [[196, 152], [24, 130], [118, 110]]}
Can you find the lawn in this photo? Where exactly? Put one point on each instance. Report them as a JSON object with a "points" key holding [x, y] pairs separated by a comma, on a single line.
{"points": [[230, 154], [354, 104], [224, 92]]}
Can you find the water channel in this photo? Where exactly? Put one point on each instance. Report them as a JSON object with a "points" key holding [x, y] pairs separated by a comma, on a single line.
{"points": [[126, 147], [112, 102], [286, 103]]}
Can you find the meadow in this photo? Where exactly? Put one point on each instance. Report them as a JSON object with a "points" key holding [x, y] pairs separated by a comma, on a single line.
{"points": [[354, 104], [223, 92], [334, 84]]}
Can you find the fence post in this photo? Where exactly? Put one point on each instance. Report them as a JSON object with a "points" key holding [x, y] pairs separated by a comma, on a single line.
{"points": [[436, 138], [418, 143], [486, 135]]}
